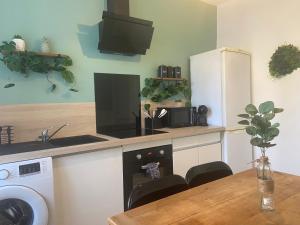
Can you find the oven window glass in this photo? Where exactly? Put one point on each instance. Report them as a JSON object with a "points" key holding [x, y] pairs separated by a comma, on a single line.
{"points": [[143, 177], [15, 212]]}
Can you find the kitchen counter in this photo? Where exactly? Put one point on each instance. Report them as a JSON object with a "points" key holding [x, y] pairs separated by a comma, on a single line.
{"points": [[110, 143]]}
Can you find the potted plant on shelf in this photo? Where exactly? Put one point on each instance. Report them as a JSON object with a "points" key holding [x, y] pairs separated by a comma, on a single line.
{"points": [[159, 90], [25, 62], [262, 131], [19, 43]]}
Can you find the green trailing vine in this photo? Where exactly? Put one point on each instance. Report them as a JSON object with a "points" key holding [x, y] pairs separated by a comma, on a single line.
{"points": [[284, 61], [159, 90], [26, 62]]}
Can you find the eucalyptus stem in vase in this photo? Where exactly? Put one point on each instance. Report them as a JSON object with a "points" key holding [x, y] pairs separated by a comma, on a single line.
{"points": [[262, 131]]}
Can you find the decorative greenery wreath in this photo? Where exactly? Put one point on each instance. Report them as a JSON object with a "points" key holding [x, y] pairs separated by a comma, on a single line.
{"points": [[284, 61], [24, 62]]}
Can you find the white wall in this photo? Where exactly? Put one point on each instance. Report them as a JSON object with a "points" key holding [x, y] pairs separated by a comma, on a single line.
{"points": [[260, 26]]}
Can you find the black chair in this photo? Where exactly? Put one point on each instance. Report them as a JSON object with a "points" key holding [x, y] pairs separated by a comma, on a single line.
{"points": [[155, 190], [206, 173]]}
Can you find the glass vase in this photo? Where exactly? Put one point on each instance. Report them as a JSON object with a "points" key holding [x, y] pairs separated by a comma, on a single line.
{"points": [[265, 184]]}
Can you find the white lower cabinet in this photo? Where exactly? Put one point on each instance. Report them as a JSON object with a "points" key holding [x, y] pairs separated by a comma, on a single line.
{"points": [[184, 159], [88, 187], [209, 153]]}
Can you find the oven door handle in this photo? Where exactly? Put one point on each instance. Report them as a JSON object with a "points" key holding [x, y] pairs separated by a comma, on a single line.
{"points": [[145, 166]]}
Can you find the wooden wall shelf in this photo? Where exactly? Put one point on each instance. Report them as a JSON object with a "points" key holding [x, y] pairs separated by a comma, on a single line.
{"points": [[48, 54], [168, 79]]}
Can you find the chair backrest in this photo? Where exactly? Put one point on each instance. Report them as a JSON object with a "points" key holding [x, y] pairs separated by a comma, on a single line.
{"points": [[155, 190], [206, 173]]}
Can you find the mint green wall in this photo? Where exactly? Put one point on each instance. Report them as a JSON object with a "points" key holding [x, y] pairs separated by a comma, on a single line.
{"points": [[182, 28]]}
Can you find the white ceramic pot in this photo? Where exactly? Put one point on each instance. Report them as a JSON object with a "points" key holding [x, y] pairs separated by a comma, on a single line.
{"points": [[45, 46], [20, 44]]}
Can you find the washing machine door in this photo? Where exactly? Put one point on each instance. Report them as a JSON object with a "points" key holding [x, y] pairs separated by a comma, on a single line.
{"points": [[20, 205]]}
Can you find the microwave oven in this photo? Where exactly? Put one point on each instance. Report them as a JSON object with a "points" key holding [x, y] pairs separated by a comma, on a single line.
{"points": [[179, 117]]}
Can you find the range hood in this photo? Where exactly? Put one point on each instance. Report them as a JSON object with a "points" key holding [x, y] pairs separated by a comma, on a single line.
{"points": [[121, 34]]}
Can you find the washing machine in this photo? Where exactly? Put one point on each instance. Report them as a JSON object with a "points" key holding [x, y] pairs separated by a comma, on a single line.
{"points": [[27, 193]]}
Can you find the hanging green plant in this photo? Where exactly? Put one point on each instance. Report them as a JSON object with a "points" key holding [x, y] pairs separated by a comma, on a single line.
{"points": [[25, 62], [159, 90], [284, 61]]}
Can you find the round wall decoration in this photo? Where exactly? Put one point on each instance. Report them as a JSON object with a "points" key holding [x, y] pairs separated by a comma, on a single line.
{"points": [[284, 61]]}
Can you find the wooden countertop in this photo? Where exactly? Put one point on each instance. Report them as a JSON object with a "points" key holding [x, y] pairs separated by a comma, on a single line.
{"points": [[230, 201], [111, 143]]}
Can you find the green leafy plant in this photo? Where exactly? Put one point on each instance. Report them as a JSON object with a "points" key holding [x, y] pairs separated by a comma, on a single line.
{"points": [[25, 62], [147, 107], [284, 61], [9, 85], [17, 36], [159, 90], [259, 126]]}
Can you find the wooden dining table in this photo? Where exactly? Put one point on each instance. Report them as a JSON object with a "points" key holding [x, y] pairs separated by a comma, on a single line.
{"points": [[233, 200]]}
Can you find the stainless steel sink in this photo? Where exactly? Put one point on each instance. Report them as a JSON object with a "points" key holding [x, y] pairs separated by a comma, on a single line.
{"points": [[54, 143]]}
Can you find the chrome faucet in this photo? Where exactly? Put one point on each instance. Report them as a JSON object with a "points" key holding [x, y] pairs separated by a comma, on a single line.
{"points": [[45, 133]]}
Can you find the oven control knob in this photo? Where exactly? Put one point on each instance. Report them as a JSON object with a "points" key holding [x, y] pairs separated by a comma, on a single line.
{"points": [[4, 174], [162, 152], [138, 156]]}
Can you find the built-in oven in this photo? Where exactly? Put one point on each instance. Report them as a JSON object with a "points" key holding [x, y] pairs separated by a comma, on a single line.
{"points": [[139, 166]]}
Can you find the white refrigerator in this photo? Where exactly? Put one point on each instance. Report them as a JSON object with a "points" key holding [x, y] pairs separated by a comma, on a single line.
{"points": [[221, 80]]}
